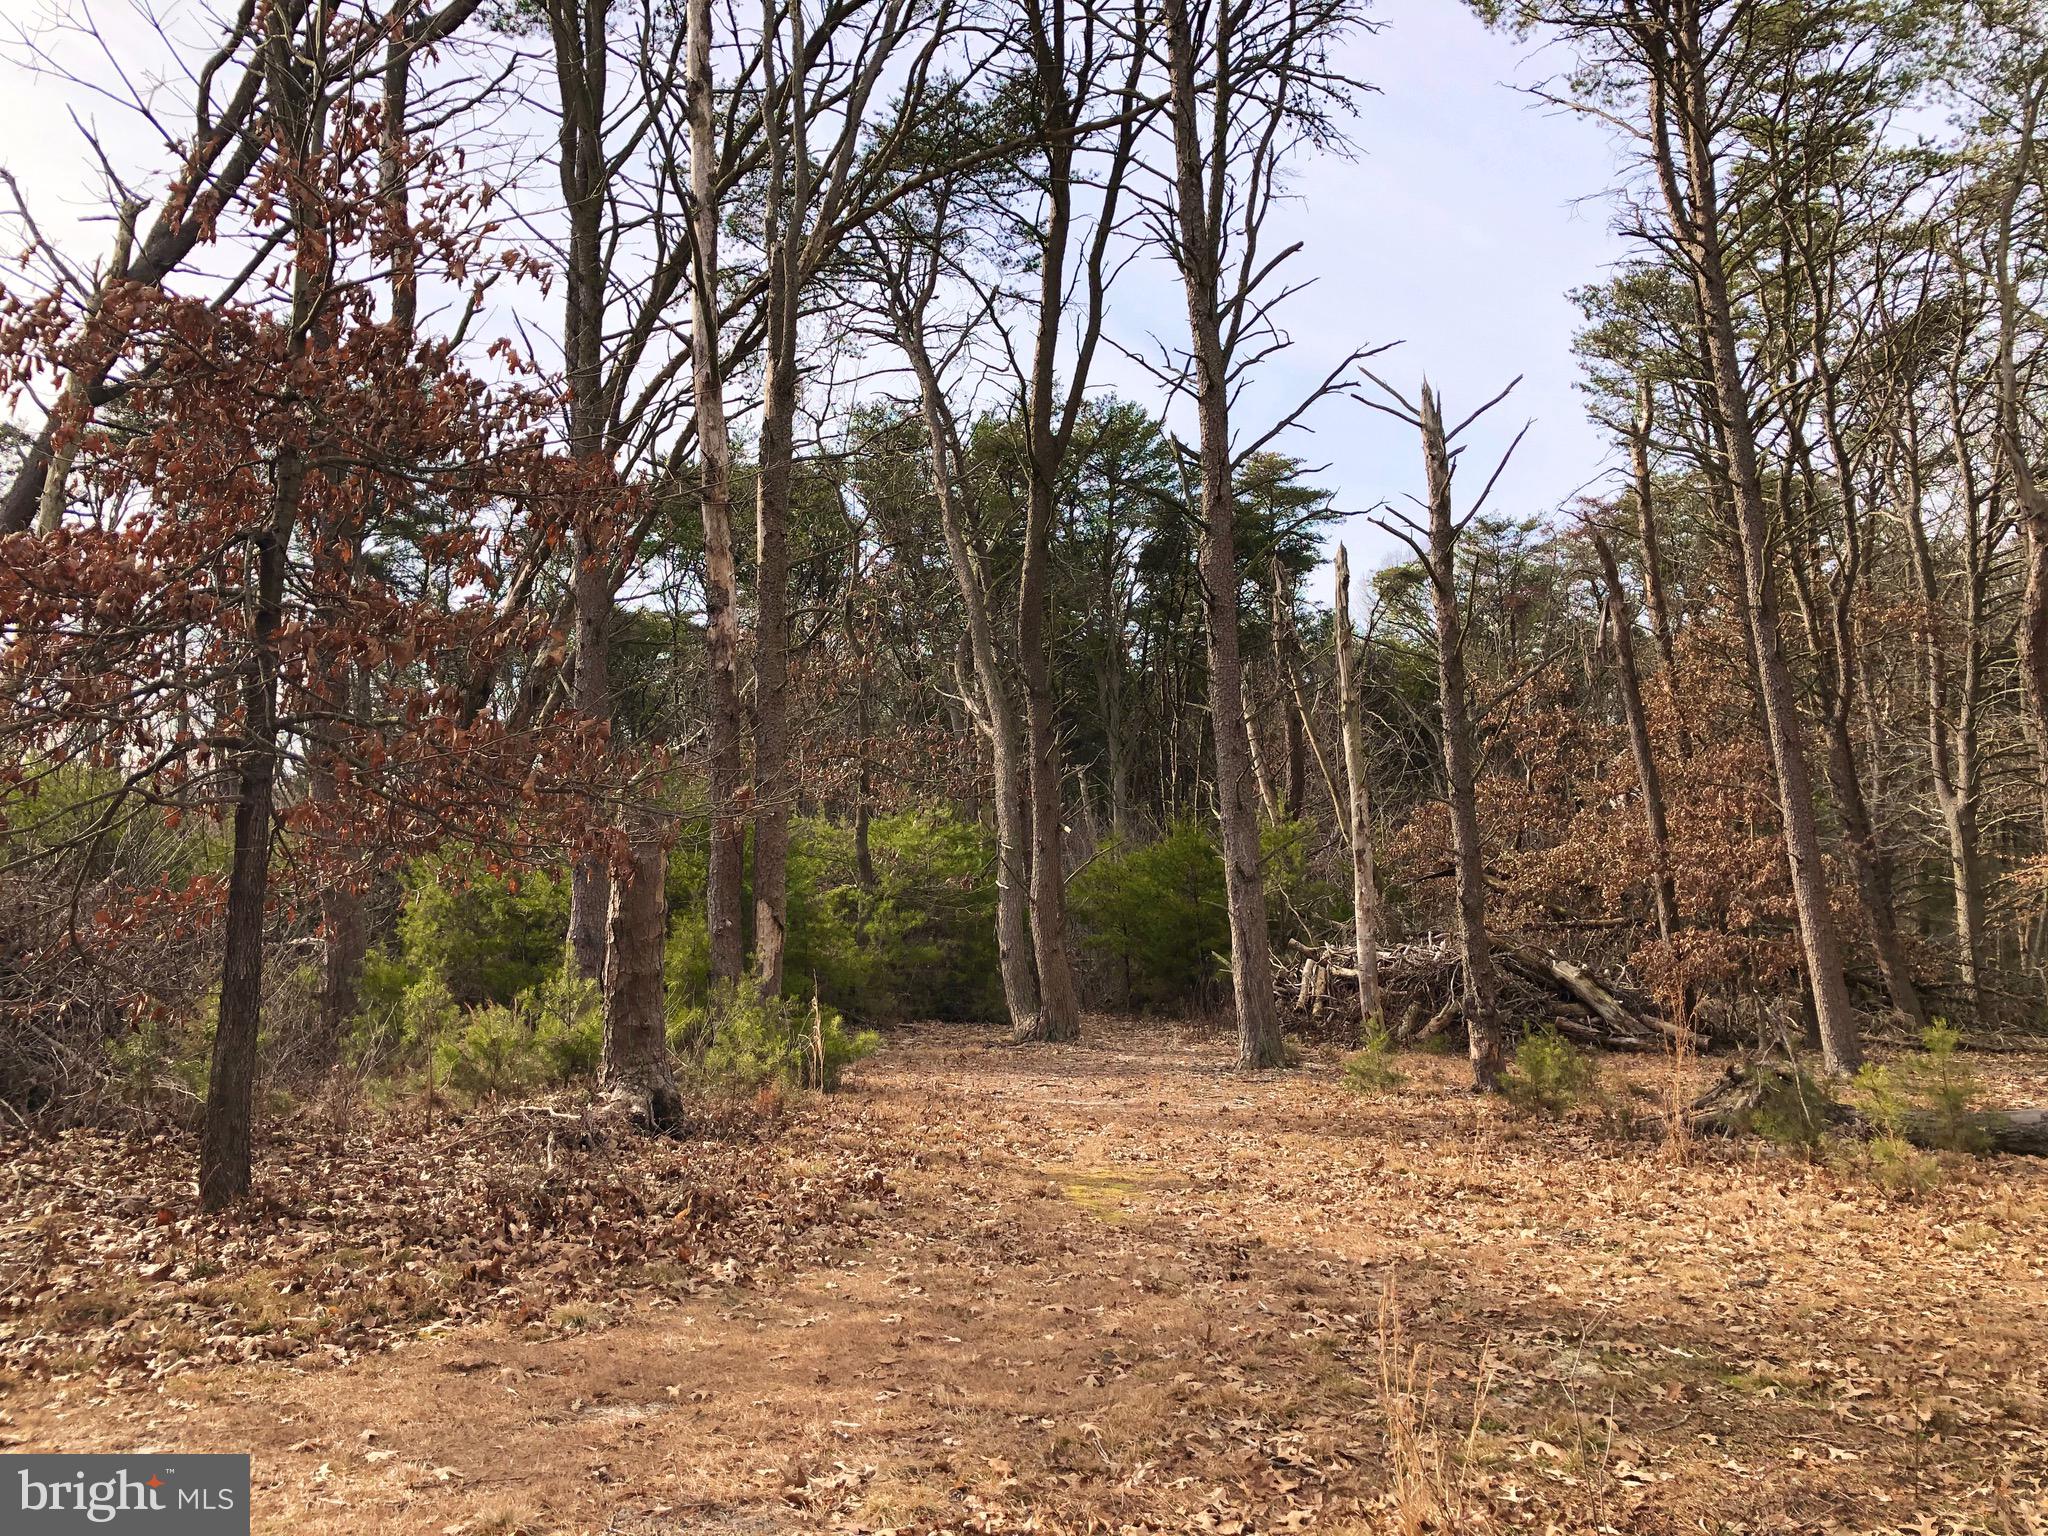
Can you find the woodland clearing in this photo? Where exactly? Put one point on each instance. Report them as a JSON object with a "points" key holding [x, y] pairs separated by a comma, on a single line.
{"points": [[1108, 1286]]}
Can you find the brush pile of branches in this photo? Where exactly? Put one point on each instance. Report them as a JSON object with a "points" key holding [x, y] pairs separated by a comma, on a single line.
{"points": [[1422, 980]]}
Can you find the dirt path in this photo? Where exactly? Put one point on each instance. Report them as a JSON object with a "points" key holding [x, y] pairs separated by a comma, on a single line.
{"points": [[1118, 1287]]}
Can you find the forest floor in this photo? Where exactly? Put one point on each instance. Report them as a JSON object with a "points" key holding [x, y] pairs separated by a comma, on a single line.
{"points": [[1113, 1286]]}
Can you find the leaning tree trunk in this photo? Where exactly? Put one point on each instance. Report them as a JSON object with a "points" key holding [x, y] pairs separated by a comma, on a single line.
{"points": [[1461, 767], [1695, 214], [635, 1070], [998, 714], [1648, 779], [1730, 1107], [1839, 672], [1365, 899]]}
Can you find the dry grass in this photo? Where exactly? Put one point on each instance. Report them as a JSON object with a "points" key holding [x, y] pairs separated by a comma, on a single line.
{"points": [[1430, 1484]]}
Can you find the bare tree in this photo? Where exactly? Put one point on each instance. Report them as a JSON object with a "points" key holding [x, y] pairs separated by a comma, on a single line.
{"points": [[1246, 86], [1620, 625], [1076, 68], [909, 261], [830, 165], [707, 162], [1365, 898], [1435, 540]]}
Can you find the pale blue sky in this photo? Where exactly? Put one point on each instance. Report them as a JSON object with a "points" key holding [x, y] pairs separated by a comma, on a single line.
{"points": [[1458, 228]]}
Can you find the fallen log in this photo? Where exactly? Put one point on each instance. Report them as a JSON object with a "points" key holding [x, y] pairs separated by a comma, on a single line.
{"points": [[1731, 1106], [1575, 980], [2015, 1132]]}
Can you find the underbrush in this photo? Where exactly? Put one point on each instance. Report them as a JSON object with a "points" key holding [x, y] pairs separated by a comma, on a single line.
{"points": [[1550, 1076], [1907, 1126], [747, 1042], [551, 1038], [1153, 922], [1370, 1069]]}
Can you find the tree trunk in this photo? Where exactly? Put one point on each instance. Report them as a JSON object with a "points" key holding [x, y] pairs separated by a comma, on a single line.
{"points": [[589, 878], [1839, 672], [1117, 750], [581, 56], [1287, 678], [1461, 764], [1365, 899], [724, 878], [344, 943], [1695, 215], [1873, 873], [1648, 779], [298, 120], [224, 1148], [1952, 709], [1197, 242], [1659, 605], [1728, 1108], [1047, 428], [998, 713], [635, 1068], [1059, 1005], [863, 777], [773, 789]]}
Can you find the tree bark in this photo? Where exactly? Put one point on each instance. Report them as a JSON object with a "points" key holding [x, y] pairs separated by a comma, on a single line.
{"points": [[1648, 780], [1365, 898], [1461, 762], [724, 880], [581, 58], [635, 1067], [224, 1148], [1197, 249], [773, 788], [1059, 1005], [1677, 69]]}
